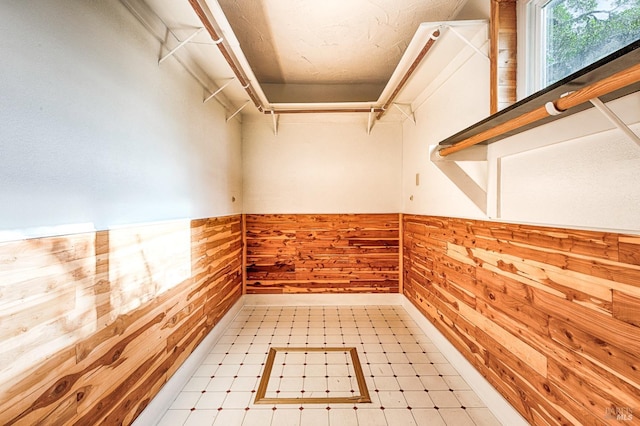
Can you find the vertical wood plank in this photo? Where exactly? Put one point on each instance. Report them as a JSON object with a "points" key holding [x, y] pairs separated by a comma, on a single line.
{"points": [[494, 33], [507, 54], [503, 52]]}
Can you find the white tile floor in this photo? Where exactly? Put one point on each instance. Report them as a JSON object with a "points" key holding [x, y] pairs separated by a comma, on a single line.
{"points": [[409, 381]]}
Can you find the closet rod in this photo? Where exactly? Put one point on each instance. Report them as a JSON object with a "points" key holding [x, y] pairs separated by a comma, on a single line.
{"points": [[244, 81], [600, 88], [412, 68]]}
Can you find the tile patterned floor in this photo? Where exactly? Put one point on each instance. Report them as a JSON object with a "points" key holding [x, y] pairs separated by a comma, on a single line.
{"points": [[306, 374], [409, 381]]}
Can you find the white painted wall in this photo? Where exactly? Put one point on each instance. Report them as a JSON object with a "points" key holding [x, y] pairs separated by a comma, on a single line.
{"points": [[95, 132], [455, 104], [575, 172], [321, 164], [579, 171]]}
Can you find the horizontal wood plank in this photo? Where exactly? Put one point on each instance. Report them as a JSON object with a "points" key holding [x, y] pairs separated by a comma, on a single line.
{"points": [[548, 315], [94, 324], [323, 253]]}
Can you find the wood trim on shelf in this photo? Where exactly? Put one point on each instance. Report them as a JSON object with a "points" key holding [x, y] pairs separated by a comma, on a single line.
{"points": [[603, 87]]}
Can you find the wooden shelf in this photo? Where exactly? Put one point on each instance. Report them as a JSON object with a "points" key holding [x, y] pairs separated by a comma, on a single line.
{"points": [[620, 60]]}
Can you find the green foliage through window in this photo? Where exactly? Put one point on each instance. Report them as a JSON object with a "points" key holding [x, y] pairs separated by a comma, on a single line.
{"points": [[579, 32]]}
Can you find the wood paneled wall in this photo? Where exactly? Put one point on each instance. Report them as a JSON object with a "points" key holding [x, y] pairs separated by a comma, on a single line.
{"points": [[503, 54], [322, 253], [551, 317], [92, 325]]}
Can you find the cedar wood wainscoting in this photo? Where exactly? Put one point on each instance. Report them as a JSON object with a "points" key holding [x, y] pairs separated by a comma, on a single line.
{"points": [[551, 317], [92, 325], [322, 253]]}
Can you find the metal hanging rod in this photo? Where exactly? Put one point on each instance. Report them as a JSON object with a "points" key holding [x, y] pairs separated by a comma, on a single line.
{"points": [[410, 71], [199, 8], [151, 21]]}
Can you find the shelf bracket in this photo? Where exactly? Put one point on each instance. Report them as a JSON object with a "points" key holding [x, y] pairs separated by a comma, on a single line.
{"points": [[220, 89], [276, 118], [411, 116], [611, 116], [370, 123], [238, 111], [467, 41], [180, 45], [459, 177]]}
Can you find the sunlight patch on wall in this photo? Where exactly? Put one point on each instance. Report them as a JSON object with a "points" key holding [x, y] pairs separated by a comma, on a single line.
{"points": [[47, 300], [146, 261]]}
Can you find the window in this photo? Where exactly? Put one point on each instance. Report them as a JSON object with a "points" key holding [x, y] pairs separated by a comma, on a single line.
{"points": [[564, 36]]}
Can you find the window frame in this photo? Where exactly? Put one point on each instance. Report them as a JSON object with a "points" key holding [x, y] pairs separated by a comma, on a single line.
{"points": [[531, 33], [532, 41]]}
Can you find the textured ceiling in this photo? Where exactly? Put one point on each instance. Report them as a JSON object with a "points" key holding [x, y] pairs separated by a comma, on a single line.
{"points": [[330, 42]]}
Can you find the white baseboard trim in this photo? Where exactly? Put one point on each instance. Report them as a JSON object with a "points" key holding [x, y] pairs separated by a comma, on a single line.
{"points": [[498, 405], [158, 406], [312, 299]]}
